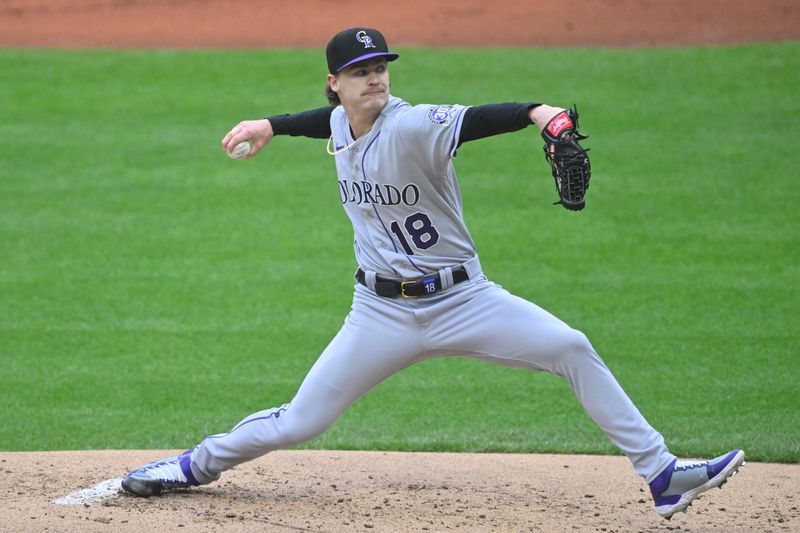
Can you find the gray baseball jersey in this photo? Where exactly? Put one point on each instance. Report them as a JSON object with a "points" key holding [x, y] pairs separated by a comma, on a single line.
{"points": [[398, 186]]}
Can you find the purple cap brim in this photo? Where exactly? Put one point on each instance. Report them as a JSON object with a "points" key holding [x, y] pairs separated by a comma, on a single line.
{"points": [[388, 55]]}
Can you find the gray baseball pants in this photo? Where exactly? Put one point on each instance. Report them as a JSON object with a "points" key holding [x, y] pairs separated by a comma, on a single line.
{"points": [[476, 319]]}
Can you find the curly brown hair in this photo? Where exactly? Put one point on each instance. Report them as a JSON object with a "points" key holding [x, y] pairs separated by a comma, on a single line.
{"points": [[330, 94]]}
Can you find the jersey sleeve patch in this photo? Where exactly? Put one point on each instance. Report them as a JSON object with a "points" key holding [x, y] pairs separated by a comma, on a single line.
{"points": [[440, 114]]}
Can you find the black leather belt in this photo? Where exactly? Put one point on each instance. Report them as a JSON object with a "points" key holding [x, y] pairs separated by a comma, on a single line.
{"points": [[412, 288]]}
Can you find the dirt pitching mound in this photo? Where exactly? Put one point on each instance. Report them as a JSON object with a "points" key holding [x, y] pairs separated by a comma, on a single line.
{"points": [[379, 491]]}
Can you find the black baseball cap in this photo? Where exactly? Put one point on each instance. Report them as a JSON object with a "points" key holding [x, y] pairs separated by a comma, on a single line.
{"points": [[356, 44]]}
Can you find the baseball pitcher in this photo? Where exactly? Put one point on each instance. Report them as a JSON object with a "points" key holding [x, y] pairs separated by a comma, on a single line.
{"points": [[419, 290]]}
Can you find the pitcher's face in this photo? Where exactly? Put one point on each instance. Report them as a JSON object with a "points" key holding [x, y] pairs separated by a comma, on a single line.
{"points": [[363, 87]]}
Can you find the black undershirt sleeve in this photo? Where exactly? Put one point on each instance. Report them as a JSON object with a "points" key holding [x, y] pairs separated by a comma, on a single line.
{"points": [[479, 121], [494, 119], [315, 123]]}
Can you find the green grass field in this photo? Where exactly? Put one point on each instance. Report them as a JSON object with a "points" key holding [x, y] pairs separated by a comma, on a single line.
{"points": [[152, 291]]}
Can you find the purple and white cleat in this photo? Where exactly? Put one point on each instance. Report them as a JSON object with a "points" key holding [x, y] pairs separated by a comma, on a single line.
{"points": [[683, 481], [154, 478]]}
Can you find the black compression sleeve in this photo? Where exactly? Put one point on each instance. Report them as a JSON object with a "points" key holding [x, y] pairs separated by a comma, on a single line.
{"points": [[315, 123], [494, 119]]}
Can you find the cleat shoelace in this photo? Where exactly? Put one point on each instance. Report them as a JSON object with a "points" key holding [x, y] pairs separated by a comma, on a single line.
{"points": [[685, 465], [169, 472]]}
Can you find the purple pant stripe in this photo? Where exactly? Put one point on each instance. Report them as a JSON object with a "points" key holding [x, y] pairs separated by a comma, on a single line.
{"points": [[276, 413]]}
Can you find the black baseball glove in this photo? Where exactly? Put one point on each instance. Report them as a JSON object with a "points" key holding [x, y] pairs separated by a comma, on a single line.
{"points": [[568, 160]]}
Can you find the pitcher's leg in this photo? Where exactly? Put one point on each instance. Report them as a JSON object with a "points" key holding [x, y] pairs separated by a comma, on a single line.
{"points": [[502, 328], [375, 342], [610, 407], [314, 408]]}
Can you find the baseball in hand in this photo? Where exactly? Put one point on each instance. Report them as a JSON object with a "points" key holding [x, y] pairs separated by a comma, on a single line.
{"points": [[240, 151]]}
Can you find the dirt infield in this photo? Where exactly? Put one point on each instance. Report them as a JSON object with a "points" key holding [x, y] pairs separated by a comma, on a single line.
{"points": [[262, 23], [365, 491], [330, 491]]}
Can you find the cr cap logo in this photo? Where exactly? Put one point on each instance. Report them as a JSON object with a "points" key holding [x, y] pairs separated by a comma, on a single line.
{"points": [[362, 37]]}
